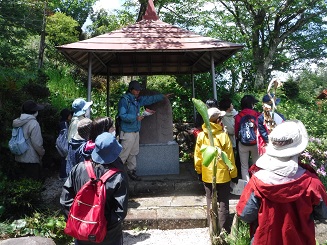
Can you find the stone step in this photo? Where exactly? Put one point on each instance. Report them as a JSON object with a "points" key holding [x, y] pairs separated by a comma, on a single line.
{"points": [[169, 212], [169, 201], [166, 212]]}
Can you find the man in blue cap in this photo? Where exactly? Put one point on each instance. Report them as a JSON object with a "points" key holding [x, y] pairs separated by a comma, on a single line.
{"points": [[129, 113], [268, 120]]}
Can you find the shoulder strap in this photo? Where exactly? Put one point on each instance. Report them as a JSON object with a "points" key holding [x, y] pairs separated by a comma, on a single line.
{"points": [[109, 173], [104, 177], [89, 169]]}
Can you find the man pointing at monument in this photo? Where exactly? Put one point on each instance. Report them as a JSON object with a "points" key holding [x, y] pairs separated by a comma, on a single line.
{"points": [[129, 113]]}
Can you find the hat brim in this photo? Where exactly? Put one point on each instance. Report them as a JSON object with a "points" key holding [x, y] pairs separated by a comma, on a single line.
{"points": [[39, 107], [106, 158], [290, 151], [87, 105], [79, 113]]}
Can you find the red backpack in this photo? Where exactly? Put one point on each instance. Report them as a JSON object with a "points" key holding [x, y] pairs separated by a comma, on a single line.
{"points": [[86, 220]]}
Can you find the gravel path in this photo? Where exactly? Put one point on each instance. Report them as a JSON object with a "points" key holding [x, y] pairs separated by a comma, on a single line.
{"points": [[198, 236]]}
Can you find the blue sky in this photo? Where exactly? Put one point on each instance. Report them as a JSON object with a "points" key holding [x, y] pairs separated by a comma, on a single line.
{"points": [[105, 4], [108, 4]]}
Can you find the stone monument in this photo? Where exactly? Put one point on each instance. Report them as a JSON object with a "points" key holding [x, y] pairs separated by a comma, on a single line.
{"points": [[159, 153]]}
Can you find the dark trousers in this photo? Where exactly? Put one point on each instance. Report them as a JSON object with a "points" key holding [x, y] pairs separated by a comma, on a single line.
{"points": [[62, 171], [223, 203]]}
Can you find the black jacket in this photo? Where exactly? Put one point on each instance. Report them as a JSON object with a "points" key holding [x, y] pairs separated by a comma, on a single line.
{"points": [[117, 193]]}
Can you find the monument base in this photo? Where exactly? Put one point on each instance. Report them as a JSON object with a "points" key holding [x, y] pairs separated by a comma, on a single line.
{"points": [[158, 159]]}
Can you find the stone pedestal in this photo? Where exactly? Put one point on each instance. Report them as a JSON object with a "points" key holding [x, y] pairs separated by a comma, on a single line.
{"points": [[158, 159], [159, 153]]}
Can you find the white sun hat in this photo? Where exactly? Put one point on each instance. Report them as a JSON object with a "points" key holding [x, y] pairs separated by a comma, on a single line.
{"points": [[288, 139]]}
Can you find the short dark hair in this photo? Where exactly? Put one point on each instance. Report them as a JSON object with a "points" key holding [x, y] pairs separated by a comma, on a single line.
{"points": [[224, 104], [212, 103], [100, 125], [248, 101]]}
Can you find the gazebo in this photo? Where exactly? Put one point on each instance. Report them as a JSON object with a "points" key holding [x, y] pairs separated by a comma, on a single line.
{"points": [[149, 47]]}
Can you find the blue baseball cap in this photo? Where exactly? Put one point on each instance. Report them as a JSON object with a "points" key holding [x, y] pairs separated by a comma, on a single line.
{"points": [[266, 99]]}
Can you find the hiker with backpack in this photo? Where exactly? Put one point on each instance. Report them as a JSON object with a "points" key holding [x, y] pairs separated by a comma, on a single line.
{"points": [[82, 136], [130, 124], [111, 210], [268, 120], [224, 176], [79, 107], [65, 117], [30, 162], [98, 126], [246, 123]]}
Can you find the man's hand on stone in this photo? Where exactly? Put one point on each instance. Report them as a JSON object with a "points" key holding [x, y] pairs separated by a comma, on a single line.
{"points": [[139, 118]]}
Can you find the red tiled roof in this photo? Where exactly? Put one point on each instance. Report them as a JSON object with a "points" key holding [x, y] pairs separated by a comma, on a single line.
{"points": [[149, 47]]}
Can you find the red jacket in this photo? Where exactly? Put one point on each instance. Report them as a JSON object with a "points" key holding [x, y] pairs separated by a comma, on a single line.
{"points": [[240, 115], [284, 213]]}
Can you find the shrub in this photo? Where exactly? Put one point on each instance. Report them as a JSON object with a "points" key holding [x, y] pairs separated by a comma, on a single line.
{"points": [[316, 156], [50, 225], [291, 89], [19, 197]]}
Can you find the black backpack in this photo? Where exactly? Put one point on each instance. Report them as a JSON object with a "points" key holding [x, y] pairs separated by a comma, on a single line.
{"points": [[247, 133], [118, 119]]}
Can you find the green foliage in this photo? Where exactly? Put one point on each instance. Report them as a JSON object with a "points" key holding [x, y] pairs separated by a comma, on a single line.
{"points": [[315, 155], [291, 89], [306, 107], [50, 225], [19, 197], [76, 9], [20, 21], [240, 234], [64, 88], [104, 22], [61, 29]]}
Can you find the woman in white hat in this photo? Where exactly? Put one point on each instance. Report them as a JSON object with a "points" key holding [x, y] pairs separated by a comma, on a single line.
{"points": [[283, 198]]}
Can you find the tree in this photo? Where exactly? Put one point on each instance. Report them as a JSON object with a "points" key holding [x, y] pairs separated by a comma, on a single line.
{"points": [[79, 10], [103, 22], [19, 22], [60, 29], [278, 33]]}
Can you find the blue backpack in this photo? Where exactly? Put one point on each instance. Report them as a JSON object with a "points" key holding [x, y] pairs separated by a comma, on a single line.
{"points": [[18, 144], [247, 133]]}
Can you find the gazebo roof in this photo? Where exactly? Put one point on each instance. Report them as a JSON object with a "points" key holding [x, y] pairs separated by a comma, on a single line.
{"points": [[149, 47]]}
